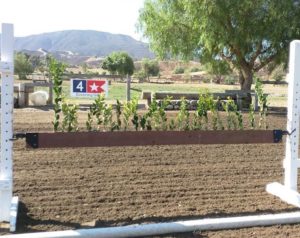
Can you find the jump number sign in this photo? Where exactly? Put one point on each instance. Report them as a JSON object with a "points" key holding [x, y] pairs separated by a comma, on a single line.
{"points": [[88, 87]]}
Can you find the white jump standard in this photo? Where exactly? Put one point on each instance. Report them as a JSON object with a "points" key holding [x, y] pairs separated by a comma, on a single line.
{"points": [[288, 191], [8, 203]]}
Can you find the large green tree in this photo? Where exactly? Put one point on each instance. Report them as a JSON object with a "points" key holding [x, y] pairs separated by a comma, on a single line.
{"points": [[118, 62], [246, 34], [150, 67], [22, 65]]}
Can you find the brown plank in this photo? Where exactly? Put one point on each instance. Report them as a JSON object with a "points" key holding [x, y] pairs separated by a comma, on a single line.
{"points": [[142, 138]]}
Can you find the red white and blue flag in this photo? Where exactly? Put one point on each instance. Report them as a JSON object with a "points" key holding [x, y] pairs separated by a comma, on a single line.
{"points": [[88, 87]]}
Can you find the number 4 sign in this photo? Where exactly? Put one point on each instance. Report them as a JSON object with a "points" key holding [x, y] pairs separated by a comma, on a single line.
{"points": [[88, 87]]}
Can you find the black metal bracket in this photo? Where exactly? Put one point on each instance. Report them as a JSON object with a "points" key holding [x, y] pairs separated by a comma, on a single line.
{"points": [[32, 140], [289, 133], [19, 135], [278, 134]]}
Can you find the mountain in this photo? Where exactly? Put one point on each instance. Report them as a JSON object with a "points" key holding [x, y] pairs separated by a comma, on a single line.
{"points": [[83, 43]]}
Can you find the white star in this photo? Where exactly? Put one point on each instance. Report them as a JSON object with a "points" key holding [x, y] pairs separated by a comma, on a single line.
{"points": [[94, 87]]}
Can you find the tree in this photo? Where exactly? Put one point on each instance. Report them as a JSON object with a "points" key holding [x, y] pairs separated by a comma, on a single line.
{"points": [[22, 65], [118, 62], [150, 67], [247, 35]]}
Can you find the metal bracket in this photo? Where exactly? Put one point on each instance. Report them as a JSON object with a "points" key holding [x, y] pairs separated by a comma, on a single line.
{"points": [[289, 133], [32, 140], [19, 135], [6, 67], [278, 135]]}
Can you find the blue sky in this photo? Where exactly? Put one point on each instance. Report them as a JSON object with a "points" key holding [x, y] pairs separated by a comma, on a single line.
{"points": [[39, 16]]}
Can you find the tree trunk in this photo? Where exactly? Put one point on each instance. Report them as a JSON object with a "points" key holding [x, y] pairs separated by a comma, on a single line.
{"points": [[246, 79]]}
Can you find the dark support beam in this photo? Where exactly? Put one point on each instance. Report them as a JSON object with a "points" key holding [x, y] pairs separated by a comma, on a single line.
{"points": [[143, 138]]}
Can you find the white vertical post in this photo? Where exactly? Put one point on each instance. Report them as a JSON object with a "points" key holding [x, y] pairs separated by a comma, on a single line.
{"points": [[292, 141], [8, 204], [288, 191]]}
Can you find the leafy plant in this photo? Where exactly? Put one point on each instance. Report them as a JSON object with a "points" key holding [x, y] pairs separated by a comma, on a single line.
{"points": [[251, 116], [70, 118], [238, 115], [159, 115], [130, 110], [102, 113], [263, 104], [89, 121], [228, 108], [203, 106], [216, 120], [98, 108], [56, 70], [107, 122], [183, 117], [179, 70], [172, 124], [148, 117], [117, 125]]}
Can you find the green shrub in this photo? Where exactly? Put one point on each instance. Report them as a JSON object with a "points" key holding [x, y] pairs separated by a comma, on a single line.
{"points": [[195, 69], [179, 70]]}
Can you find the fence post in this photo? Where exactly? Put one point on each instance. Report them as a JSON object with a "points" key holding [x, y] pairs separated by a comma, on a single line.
{"points": [[288, 191], [8, 203], [128, 88]]}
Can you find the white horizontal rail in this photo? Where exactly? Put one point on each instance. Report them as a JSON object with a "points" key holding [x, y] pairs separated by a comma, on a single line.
{"points": [[170, 227]]}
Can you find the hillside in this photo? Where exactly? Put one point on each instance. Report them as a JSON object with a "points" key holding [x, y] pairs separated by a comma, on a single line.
{"points": [[84, 43]]}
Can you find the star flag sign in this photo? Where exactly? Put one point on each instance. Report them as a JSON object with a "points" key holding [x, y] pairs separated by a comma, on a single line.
{"points": [[95, 86], [88, 87]]}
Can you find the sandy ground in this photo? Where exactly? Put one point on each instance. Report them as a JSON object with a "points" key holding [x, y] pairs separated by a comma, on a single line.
{"points": [[63, 189]]}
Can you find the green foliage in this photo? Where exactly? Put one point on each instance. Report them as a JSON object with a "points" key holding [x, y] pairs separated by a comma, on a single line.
{"points": [[70, 118], [117, 125], [172, 124], [229, 108], [101, 113], [156, 116], [263, 104], [195, 69], [179, 70], [201, 115], [140, 75], [218, 69], [161, 116], [22, 65], [130, 110], [183, 117], [251, 116], [239, 33], [150, 67], [216, 120], [118, 62], [56, 70]]}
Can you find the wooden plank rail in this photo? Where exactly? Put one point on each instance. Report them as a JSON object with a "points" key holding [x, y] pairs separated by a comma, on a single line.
{"points": [[143, 138]]}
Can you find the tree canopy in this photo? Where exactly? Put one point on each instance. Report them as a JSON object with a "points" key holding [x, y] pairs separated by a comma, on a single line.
{"points": [[150, 67], [22, 65], [120, 63], [247, 35]]}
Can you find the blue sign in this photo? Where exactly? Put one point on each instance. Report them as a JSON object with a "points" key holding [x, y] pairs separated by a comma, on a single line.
{"points": [[88, 87], [79, 86]]}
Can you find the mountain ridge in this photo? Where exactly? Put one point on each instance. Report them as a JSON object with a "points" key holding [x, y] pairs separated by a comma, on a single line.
{"points": [[84, 43]]}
